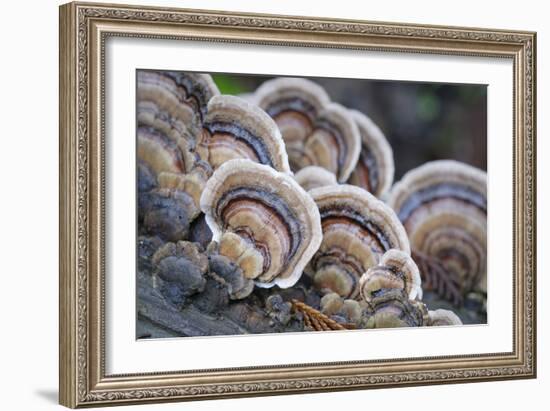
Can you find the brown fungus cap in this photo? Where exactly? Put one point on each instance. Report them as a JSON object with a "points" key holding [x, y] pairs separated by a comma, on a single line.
{"points": [[443, 206], [174, 98], [192, 183], [315, 130], [306, 94], [375, 169], [396, 270], [159, 153], [263, 221], [357, 230], [394, 310], [235, 128], [311, 177], [171, 107]]}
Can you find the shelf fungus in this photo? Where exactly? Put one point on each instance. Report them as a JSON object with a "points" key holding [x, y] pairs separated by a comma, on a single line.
{"points": [[375, 168], [357, 230], [396, 270], [160, 153], [174, 103], [234, 128], [231, 276], [262, 220], [166, 208], [171, 108], [171, 166], [336, 307], [181, 267], [166, 213], [316, 131], [311, 177], [392, 290], [443, 206]]}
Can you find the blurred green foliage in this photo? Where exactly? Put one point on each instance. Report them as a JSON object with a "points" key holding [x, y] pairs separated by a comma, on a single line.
{"points": [[228, 84], [427, 107]]}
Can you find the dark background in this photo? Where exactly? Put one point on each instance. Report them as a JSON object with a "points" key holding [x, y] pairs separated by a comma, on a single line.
{"points": [[422, 121]]}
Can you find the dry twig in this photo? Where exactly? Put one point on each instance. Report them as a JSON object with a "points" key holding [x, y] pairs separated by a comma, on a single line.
{"points": [[316, 320]]}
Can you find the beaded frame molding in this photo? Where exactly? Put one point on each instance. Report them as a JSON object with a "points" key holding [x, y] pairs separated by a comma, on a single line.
{"points": [[84, 27]]}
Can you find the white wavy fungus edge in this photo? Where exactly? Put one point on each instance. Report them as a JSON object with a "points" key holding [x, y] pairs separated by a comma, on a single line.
{"points": [[216, 182]]}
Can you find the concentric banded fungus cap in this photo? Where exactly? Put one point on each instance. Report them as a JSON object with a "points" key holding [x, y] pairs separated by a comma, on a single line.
{"points": [[443, 317], [174, 102], [192, 183], [235, 128], [394, 309], [311, 177], [159, 153], [443, 206], [315, 131], [375, 168], [294, 99], [396, 271], [171, 107], [175, 182], [357, 230], [263, 221]]}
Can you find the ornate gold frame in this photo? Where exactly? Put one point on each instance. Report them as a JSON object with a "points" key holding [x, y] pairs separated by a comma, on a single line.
{"points": [[83, 30]]}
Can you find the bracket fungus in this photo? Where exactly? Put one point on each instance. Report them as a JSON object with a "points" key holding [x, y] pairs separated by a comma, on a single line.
{"points": [[443, 206], [311, 177], [229, 274], [182, 268], [392, 290], [375, 168], [334, 305], [396, 270], [160, 153], [316, 131], [174, 102], [357, 230], [165, 209], [234, 128], [262, 220], [171, 107], [166, 213], [283, 187]]}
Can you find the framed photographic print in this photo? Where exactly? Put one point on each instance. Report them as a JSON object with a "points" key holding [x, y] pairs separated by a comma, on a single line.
{"points": [[257, 204]]}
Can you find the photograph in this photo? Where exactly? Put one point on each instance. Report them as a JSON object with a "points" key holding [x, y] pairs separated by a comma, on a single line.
{"points": [[273, 204]]}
